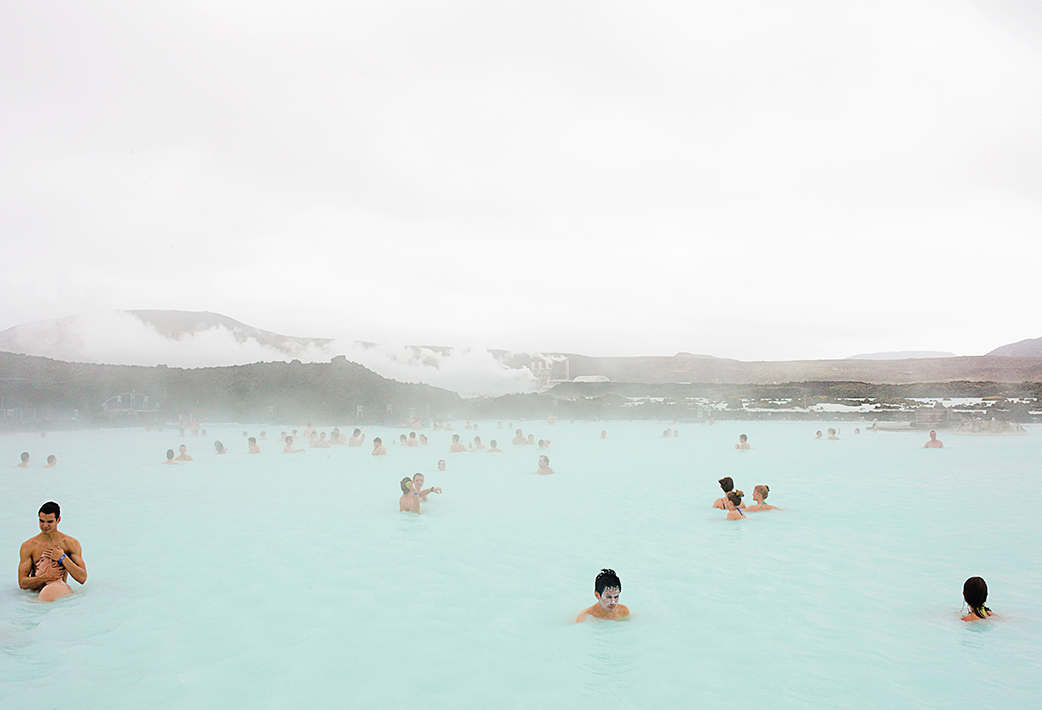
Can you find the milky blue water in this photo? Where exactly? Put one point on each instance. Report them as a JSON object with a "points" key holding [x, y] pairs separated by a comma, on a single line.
{"points": [[277, 581]]}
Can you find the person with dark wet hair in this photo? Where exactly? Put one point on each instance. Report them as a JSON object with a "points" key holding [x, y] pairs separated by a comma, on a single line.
{"points": [[357, 438], [25, 460], [253, 448], [817, 434], [170, 457], [544, 466], [734, 505], [607, 588], [494, 449], [49, 559], [412, 439], [759, 498], [219, 447], [183, 453], [288, 448], [456, 446], [975, 593], [743, 443], [726, 485], [52, 461], [378, 447]]}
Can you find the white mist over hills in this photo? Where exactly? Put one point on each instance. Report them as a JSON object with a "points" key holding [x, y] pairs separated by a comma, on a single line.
{"points": [[187, 339]]}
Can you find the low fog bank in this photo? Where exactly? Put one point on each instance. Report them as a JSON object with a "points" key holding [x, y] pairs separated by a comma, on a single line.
{"points": [[122, 338], [44, 393]]}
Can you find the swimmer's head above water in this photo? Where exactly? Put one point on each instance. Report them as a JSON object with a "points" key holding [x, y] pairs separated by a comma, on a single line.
{"points": [[169, 454], [607, 587], [762, 492], [406, 484], [441, 465], [51, 513], [975, 594], [735, 497], [727, 484]]}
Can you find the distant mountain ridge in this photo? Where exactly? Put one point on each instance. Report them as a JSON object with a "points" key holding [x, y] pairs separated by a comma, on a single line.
{"points": [[177, 324], [99, 337], [901, 355], [1023, 348]]}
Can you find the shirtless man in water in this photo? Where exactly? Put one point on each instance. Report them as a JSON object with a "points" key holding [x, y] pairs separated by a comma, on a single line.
{"points": [[182, 454], [357, 438], [25, 460], [46, 561], [456, 446], [379, 449], [743, 443], [606, 588], [288, 448], [544, 466], [934, 442]]}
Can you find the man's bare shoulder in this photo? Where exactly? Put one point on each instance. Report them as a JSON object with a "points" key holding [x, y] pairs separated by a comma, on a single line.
{"points": [[70, 544], [624, 611]]}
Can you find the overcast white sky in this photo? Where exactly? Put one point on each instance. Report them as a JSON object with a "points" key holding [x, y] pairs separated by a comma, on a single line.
{"points": [[772, 181]]}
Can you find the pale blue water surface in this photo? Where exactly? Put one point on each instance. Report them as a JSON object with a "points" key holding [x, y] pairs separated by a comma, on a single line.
{"points": [[278, 581]]}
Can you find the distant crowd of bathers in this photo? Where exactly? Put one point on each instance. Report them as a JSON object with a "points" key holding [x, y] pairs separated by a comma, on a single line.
{"points": [[47, 560]]}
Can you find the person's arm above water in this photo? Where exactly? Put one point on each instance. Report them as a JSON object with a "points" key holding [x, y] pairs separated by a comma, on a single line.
{"points": [[73, 559], [719, 503], [25, 566]]}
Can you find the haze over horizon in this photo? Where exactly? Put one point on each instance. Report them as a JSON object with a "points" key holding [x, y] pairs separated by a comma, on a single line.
{"points": [[758, 182]]}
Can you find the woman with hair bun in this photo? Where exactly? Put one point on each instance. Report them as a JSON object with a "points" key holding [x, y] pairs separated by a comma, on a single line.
{"points": [[760, 495], [975, 593], [734, 502]]}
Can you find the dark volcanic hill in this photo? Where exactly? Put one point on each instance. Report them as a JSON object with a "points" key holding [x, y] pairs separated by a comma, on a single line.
{"points": [[242, 393]]}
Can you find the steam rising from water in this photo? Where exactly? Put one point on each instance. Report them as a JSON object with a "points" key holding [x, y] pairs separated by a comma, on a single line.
{"points": [[120, 338]]}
